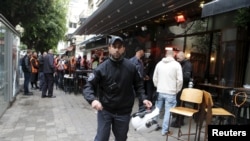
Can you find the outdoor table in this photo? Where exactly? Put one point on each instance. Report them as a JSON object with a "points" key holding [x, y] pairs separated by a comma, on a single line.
{"points": [[222, 93], [80, 81], [241, 105], [68, 83]]}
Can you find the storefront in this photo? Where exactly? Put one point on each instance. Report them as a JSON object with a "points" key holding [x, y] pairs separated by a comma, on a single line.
{"points": [[216, 46], [9, 68]]}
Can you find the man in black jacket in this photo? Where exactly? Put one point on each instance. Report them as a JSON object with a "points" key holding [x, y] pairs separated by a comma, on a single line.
{"points": [[26, 67], [48, 70], [187, 69], [110, 90]]}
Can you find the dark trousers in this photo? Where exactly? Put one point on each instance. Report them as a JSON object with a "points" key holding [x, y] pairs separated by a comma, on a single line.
{"points": [[107, 121], [48, 84], [26, 82], [41, 80]]}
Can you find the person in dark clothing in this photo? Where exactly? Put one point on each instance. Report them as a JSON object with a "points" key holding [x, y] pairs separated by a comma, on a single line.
{"points": [[48, 70], [137, 60], [148, 82], [187, 75], [111, 88], [26, 67], [41, 74]]}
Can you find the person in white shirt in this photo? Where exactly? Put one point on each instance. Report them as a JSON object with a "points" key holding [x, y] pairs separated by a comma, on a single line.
{"points": [[168, 80]]}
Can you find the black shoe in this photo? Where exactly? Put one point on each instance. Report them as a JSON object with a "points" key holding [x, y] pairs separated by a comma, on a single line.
{"points": [[28, 93], [43, 96], [52, 96], [158, 128], [175, 125]]}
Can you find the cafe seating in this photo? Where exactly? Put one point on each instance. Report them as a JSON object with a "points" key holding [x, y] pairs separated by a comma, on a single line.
{"points": [[68, 83], [241, 107], [188, 96], [209, 113]]}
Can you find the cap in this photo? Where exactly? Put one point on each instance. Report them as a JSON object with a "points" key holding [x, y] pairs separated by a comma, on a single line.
{"points": [[138, 48], [113, 38]]}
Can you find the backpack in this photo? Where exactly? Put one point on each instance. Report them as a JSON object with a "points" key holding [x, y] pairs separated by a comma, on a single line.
{"points": [[23, 63]]}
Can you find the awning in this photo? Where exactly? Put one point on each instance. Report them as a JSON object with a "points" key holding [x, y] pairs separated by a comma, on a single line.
{"points": [[70, 48], [221, 6], [93, 39], [114, 15]]}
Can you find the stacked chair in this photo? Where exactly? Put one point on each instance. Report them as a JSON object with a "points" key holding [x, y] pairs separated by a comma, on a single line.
{"points": [[209, 112]]}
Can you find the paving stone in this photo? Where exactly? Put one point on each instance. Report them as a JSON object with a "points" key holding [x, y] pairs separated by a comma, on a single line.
{"points": [[68, 117]]}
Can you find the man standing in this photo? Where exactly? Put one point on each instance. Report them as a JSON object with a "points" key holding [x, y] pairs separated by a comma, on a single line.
{"points": [[41, 74], [48, 70], [187, 75], [168, 80], [26, 67], [137, 60], [110, 90]]}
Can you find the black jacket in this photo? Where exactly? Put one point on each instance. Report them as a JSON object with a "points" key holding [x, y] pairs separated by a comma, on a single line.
{"points": [[115, 85], [187, 72], [48, 63], [26, 66]]}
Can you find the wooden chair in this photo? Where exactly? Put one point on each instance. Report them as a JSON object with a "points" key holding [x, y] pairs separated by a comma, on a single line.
{"points": [[209, 112], [188, 96]]}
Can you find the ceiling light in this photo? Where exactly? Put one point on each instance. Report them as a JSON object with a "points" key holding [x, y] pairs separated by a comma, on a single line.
{"points": [[163, 4], [180, 18], [131, 2]]}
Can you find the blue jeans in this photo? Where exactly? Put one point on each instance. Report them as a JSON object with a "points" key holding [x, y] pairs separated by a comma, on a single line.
{"points": [[26, 82], [170, 101], [107, 121]]}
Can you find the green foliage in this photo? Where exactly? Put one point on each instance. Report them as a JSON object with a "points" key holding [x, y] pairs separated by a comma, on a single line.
{"points": [[44, 21], [242, 18]]}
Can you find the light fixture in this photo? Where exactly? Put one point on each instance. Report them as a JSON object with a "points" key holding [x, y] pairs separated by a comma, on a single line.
{"points": [[131, 2], [168, 48], [163, 4], [180, 18]]}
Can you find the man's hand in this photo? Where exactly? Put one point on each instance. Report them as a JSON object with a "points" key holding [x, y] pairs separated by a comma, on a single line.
{"points": [[96, 105], [147, 103]]}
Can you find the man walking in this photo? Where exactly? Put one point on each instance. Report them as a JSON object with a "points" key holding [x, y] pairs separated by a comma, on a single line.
{"points": [[168, 80], [110, 90]]}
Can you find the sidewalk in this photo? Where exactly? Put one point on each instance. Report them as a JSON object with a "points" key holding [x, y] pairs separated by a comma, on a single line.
{"points": [[68, 117]]}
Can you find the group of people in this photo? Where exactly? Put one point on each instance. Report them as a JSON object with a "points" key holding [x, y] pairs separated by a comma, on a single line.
{"points": [[114, 84], [38, 68]]}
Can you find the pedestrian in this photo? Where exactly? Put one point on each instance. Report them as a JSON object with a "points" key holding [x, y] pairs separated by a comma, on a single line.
{"points": [[48, 70], [187, 75], [60, 71], [111, 88], [34, 70], [41, 74], [138, 62], [26, 67], [168, 80], [149, 68], [94, 61]]}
